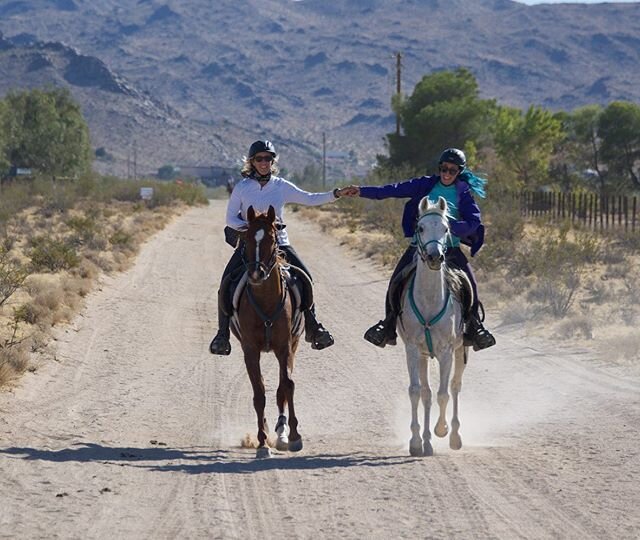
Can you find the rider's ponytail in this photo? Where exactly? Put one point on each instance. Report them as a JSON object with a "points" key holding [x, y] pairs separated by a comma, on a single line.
{"points": [[476, 183]]}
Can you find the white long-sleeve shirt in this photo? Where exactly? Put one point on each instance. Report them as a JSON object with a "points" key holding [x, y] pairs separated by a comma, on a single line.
{"points": [[276, 192]]}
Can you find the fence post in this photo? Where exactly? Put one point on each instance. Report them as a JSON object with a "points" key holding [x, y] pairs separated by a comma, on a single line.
{"points": [[626, 213], [633, 219]]}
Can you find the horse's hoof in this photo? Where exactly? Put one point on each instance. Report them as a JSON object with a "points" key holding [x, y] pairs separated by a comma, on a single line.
{"points": [[455, 441], [282, 444], [416, 451], [295, 446], [263, 452], [441, 431]]}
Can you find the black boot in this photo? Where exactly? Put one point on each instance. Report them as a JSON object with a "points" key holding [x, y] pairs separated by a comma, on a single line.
{"points": [[221, 344], [383, 332], [315, 333], [477, 335]]}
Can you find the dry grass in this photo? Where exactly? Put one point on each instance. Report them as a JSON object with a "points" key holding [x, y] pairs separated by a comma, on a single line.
{"points": [[97, 237]]}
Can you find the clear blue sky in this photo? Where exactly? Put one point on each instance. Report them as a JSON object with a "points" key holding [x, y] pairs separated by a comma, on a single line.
{"points": [[531, 2]]}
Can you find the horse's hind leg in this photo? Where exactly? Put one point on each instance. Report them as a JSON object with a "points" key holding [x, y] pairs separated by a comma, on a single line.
{"points": [[455, 441], [252, 361], [284, 395]]}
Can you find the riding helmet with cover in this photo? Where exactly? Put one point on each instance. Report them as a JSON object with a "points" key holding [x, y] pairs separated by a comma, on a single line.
{"points": [[262, 146], [453, 155]]}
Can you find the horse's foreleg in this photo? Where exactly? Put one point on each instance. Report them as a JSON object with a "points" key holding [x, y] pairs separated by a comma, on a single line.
{"points": [[426, 394], [293, 440], [252, 362], [444, 361], [413, 360], [455, 441]]}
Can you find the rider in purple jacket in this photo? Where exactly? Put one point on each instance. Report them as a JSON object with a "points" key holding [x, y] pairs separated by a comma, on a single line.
{"points": [[456, 184]]}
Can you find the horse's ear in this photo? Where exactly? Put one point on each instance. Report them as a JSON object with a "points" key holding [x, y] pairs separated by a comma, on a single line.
{"points": [[442, 203], [251, 214], [424, 204], [271, 213]]}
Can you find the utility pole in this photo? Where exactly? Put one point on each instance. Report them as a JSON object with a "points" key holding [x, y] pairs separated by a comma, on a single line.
{"points": [[135, 159], [398, 88], [324, 160]]}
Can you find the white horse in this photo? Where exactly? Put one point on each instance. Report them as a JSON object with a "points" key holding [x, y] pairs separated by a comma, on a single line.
{"points": [[431, 326]]}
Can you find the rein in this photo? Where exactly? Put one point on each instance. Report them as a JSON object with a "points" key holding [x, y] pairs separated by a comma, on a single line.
{"points": [[266, 319], [422, 251]]}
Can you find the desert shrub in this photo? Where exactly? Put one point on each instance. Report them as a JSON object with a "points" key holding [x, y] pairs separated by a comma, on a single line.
{"points": [[84, 227], [49, 254], [577, 326], [27, 313], [556, 292], [121, 239], [13, 361], [12, 275]]}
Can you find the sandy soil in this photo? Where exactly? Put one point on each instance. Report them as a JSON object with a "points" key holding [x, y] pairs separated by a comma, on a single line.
{"points": [[134, 431]]}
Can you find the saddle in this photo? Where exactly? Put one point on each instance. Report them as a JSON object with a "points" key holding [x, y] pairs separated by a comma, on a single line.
{"points": [[298, 284]]}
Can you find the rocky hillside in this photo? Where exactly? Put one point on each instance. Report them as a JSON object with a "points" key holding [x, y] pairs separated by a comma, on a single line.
{"points": [[196, 81]]}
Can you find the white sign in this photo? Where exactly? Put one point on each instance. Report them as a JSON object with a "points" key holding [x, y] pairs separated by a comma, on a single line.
{"points": [[146, 193]]}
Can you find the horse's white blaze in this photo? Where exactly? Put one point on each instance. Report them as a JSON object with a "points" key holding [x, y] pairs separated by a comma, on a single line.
{"points": [[258, 238], [446, 335]]}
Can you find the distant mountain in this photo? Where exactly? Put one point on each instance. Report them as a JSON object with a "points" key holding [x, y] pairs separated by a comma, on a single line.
{"points": [[196, 81]]}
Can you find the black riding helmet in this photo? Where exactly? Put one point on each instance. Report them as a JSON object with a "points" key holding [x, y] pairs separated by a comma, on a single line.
{"points": [[262, 146], [453, 155]]}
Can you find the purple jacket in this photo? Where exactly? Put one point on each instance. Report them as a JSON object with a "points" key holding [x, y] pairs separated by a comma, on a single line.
{"points": [[469, 228]]}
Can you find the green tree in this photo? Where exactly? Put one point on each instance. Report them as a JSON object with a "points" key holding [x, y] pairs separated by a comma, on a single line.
{"points": [[443, 111], [47, 132], [525, 142], [619, 129], [583, 143]]}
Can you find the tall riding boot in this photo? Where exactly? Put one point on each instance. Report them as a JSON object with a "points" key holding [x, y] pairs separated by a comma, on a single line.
{"points": [[221, 344], [383, 332], [476, 334], [314, 332]]}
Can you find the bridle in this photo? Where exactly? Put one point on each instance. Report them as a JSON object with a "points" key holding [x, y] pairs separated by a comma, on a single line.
{"points": [[422, 247], [258, 265]]}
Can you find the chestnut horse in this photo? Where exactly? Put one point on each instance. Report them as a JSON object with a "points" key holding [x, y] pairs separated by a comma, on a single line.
{"points": [[267, 320]]}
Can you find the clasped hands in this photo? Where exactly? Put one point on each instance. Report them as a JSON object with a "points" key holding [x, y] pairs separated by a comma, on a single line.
{"points": [[349, 191]]}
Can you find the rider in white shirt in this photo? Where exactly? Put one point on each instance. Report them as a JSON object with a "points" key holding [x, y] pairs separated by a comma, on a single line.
{"points": [[261, 188]]}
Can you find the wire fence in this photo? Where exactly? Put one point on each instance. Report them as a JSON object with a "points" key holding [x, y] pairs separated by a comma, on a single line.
{"points": [[589, 209]]}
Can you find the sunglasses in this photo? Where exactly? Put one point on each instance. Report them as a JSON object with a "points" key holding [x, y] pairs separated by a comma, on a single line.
{"points": [[449, 170], [260, 159]]}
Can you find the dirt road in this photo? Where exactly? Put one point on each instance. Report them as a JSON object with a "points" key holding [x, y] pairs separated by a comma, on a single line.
{"points": [[134, 431]]}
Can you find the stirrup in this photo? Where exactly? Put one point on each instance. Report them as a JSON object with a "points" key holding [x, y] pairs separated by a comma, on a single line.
{"points": [[483, 339], [377, 334], [220, 345], [321, 339]]}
